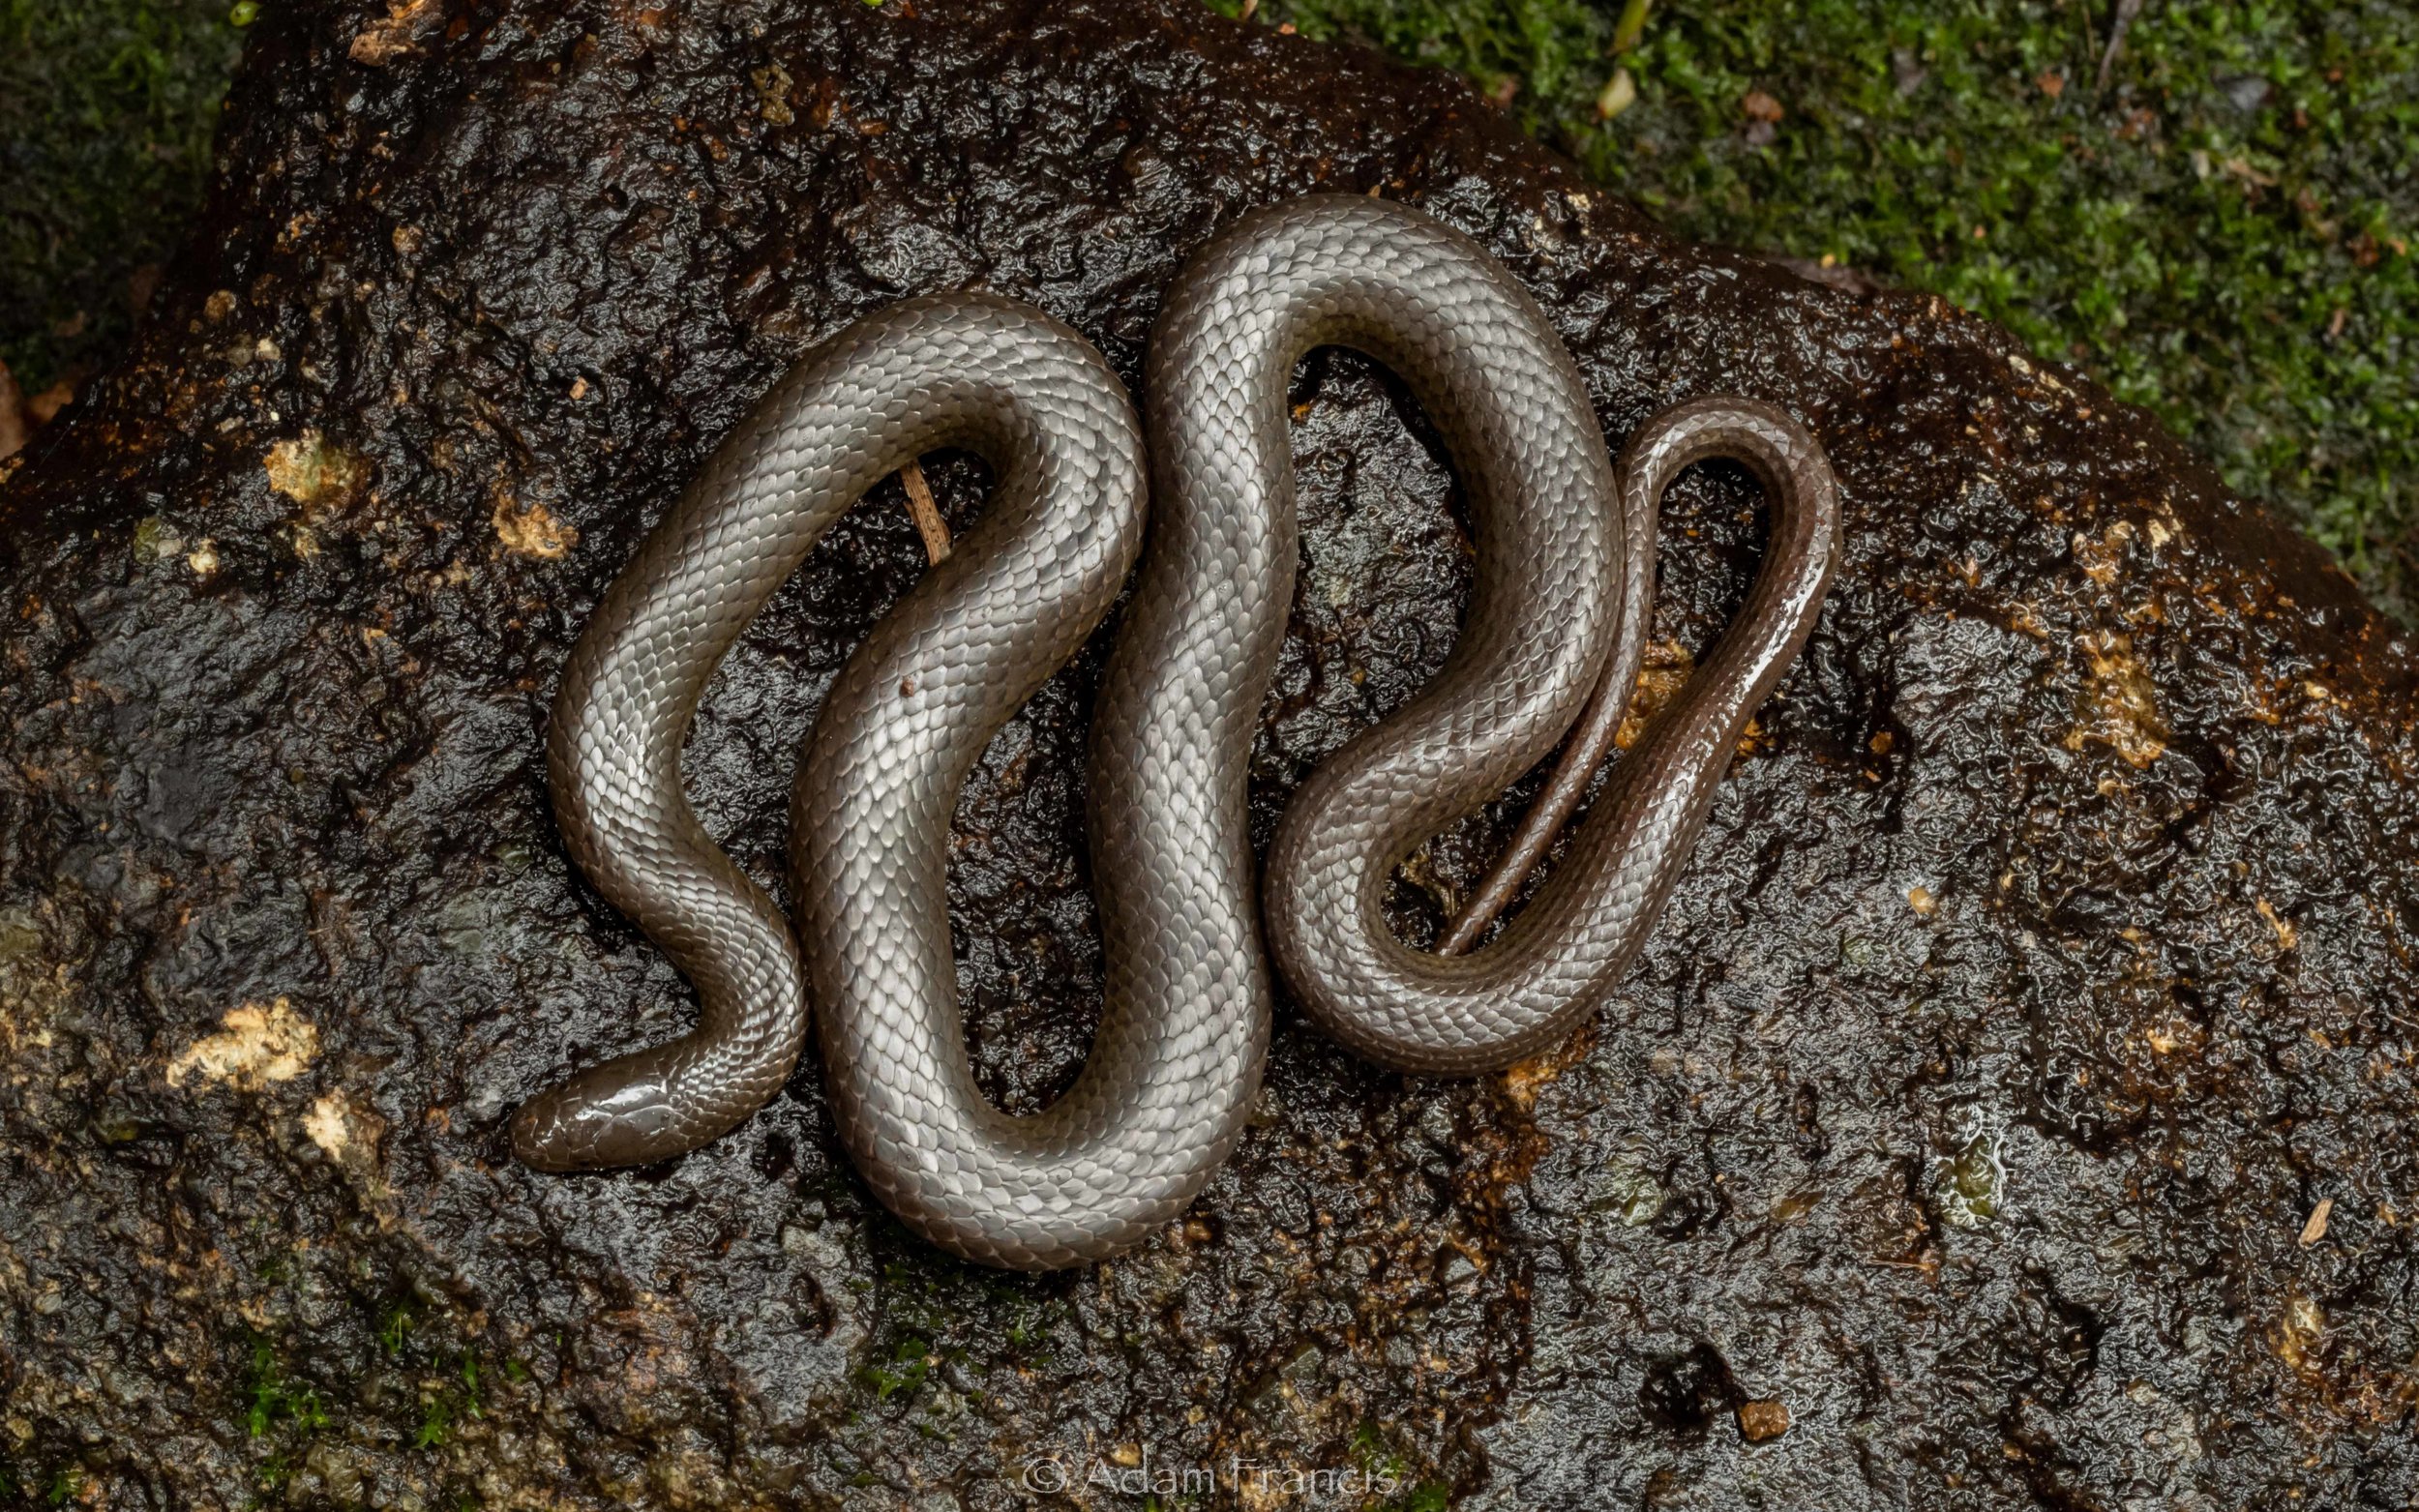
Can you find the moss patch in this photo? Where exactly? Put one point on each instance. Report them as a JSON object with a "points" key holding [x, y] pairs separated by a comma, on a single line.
{"points": [[2223, 233], [106, 112]]}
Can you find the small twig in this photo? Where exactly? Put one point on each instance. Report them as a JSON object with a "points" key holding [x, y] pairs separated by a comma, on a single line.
{"points": [[1631, 25], [2118, 24], [1249, 6], [12, 427], [926, 513]]}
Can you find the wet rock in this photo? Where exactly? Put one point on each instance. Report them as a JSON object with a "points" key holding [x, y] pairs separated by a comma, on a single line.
{"points": [[288, 593]]}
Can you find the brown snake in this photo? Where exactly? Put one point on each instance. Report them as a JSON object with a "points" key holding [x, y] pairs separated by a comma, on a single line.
{"points": [[1554, 634]]}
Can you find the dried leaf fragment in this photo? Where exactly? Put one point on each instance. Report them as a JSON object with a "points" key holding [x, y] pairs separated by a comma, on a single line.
{"points": [[2316, 1227]]}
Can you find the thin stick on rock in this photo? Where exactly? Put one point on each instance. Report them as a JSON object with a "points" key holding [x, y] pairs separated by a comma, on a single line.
{"points": [[12, 427], [2118, 25], [926, 513]]}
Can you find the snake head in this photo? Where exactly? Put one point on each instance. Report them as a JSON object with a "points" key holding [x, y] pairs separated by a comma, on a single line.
{"points": [[608, 1115]]}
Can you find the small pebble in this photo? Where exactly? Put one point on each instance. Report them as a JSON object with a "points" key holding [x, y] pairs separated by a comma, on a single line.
{"points": [[1762, 1420]]}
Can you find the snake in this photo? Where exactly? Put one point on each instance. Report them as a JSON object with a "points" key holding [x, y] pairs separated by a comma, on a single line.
{"points": [[1196, 504]]}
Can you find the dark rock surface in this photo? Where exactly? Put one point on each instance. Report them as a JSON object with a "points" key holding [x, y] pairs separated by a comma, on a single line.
{"points": [[1954, 1145]]}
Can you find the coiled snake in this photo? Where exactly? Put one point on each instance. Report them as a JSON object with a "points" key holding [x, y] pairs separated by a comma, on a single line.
{"points": [[1553, 634]]}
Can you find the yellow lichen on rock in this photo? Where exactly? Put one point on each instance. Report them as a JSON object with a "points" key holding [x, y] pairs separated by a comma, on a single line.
{"points": [[1663, 673], [34, 989], [772, 94], [2102, 557], [530, 530], [395, 34], [312, 473], [2119, 707], [2286, 936], [326, 1125], [257, 1045]]}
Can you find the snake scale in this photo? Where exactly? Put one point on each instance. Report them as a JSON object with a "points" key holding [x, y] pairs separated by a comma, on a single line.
{"points": [[1553, 637]]}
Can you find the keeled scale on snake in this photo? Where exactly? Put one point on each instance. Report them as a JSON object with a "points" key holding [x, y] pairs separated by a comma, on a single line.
{"points": [[1554, 634]]}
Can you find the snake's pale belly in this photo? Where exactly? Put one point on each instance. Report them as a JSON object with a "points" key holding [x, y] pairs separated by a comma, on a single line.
{"points": [[1552, 639]]}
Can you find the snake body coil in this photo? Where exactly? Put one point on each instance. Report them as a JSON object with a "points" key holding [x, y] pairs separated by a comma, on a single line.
{"points": [[1553, 634]]}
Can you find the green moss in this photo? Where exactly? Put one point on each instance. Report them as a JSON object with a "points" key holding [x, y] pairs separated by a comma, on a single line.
{"points": [[2222, 234], [395, 1330], [106, 112], [446, 1405], [1378, 1460], [272, 1398], [436, 1422], [905, 1371]]}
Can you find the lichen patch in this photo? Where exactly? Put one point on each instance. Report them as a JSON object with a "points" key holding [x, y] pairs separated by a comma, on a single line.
{"points": [[772, 94], [395, 34], [530, 530], [314, 473], [2102, 557], [2286, 936], [1525, 1080], [1663, 673], [156, 539], [327, 1125], [2119, 707], [257, 1045]]}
